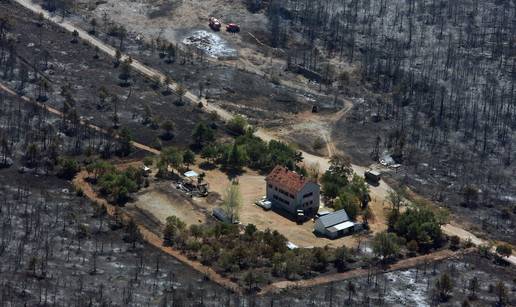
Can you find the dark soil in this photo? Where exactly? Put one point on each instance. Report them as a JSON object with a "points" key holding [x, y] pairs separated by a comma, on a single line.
{"points": [[233, 87], [75, 65]]}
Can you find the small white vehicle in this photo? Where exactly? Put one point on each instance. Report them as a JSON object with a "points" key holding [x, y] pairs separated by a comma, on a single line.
{"points": [[264, 203]]}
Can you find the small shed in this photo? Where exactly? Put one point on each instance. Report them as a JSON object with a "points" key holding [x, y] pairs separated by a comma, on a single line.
{"points": [[335, 224]]}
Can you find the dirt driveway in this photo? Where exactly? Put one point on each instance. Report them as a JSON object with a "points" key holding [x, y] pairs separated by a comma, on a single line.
{"points": [[162, 200], [252, 187]]}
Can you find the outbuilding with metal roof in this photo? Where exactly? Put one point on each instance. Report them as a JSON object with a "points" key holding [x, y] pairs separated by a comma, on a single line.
{"points": [[335, 224]]}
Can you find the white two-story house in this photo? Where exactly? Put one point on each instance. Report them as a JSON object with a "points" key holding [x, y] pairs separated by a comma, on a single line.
{"points": [[290, 191]]}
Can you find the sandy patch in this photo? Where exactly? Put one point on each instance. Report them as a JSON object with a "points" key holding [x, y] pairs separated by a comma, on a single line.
{"points": [[163, 201]]}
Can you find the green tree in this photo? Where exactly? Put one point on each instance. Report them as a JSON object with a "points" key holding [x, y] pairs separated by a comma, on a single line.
{"points": [[209, 153], [196, 230], [396, 199], [348, 202], [342, 255], [341, 166], [99, 168], [386, 244], [173, 228], [236, 157], [202, 135], [360, 189], [208, 254], [336, 178], [172, 156], [117, 185], [320, 259], [188, 158], [421, 225], [280, 153], [238, 125], [125, 141], [68, 168], [232, 201]]}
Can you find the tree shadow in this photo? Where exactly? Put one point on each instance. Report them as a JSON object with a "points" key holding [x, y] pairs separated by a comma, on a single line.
{"points": [[232, 173], [207, 166]]}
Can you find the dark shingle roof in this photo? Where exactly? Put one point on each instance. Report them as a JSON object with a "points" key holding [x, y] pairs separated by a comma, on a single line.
{"points": [[334, 218]]}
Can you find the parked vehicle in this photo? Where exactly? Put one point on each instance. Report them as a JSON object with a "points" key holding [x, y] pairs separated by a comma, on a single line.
{"points": [[300, 217], [233, 28], [372, 176], [265, 204], [214, 24]]}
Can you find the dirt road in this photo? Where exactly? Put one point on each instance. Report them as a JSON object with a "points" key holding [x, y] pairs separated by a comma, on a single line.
{"points": [[379, 192], [400, 265], [465, 235]]}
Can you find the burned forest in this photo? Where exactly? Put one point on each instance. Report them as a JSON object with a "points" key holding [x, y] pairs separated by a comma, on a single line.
{"points": [[257, 153]]}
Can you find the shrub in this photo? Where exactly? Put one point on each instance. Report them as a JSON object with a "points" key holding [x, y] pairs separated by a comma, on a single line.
{"points": [[419, 224], [342, 256], [118, 185], [68, 168], [386, 244], [238, 125]]}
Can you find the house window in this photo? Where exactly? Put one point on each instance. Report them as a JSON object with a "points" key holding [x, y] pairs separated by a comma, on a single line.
{"points": [[270, 186], [281, 200], [308, 195]]}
